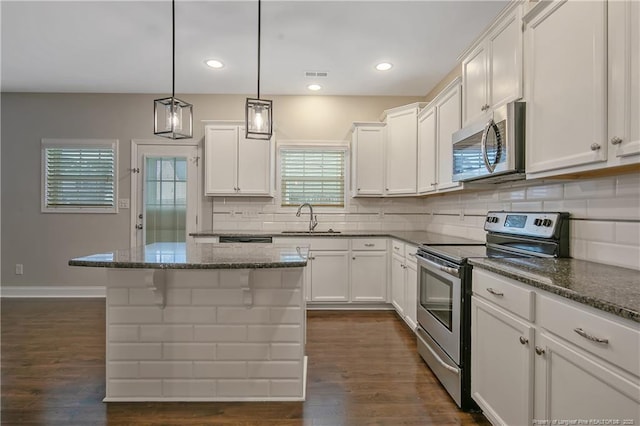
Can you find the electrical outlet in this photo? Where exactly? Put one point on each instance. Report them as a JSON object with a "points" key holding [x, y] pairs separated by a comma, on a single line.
{"points": [[123, 203], [19, 269]]}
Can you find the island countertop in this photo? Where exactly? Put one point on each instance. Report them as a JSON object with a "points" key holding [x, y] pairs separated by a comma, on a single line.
{"points": [[199, 256]]}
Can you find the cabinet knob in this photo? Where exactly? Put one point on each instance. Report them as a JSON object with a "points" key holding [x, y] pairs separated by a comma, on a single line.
{"points": [[539, 350], [524, 340], [312, 257], [387, 189], [434, 183], [616, 140], [238, 189], [354, 258], [595, 146], [359, 189]]}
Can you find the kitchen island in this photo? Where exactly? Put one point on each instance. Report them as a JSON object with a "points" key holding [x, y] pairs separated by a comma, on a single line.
{"points": [[204, 322]]}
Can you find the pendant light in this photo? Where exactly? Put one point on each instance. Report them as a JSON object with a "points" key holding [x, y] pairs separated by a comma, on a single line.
{"points": [[173, 118], [258, 120]]}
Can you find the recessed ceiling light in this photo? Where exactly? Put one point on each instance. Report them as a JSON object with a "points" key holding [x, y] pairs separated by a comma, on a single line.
{"points": [[314, 87], [384, 66], [214, 63]]}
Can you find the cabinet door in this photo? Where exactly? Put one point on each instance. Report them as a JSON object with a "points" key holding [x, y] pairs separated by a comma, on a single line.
{"points": [[369, 161], [449, 121], [572, 385], [427, 151], [330, 276], [411, 295], [221, 144], [254, 166], [398, 284], [566, 86], [505, 60], [501, 364], [624, 82], [474, 81], [402, 149], [369, 276]]}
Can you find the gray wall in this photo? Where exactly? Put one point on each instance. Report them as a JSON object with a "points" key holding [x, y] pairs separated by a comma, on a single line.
{"points": [[44, 243]]}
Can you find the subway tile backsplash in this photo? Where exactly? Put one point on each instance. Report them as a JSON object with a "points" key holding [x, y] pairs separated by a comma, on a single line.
{"points": [[605, 214]]}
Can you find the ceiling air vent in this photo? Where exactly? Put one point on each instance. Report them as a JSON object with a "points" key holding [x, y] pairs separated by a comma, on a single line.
{"points": [[316, 74]]}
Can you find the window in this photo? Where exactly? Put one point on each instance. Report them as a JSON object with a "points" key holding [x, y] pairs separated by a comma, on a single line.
{"points": [[79, 175], [314, 175]]}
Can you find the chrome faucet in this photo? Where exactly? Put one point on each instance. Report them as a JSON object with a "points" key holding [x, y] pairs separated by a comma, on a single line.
{"points": [[313, 219]]}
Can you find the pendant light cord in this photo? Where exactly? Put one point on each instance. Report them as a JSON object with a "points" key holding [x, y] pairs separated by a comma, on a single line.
{"points": [[259, 16], [173, 52]]}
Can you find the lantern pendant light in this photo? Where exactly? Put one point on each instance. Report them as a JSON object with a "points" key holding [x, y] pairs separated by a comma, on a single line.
{"points": [[173, 118], [258, 119]]}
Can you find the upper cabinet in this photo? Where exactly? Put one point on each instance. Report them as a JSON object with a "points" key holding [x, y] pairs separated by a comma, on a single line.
{"points": [[367, 147], [436, 123], [234, 165], [566, 85], [492, 70], [401, 149], [582, 86], [624, 82]]}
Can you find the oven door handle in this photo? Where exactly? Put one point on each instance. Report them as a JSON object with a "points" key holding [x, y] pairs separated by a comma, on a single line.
{"points": [[441, 362], [445, 269]]}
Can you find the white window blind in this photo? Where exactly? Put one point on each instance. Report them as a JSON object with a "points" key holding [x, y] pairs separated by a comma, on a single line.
{"points": [[79, 176], [312, 175]]}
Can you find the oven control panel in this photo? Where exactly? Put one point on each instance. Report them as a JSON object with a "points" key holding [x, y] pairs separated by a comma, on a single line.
{"points": [[532, 224]]}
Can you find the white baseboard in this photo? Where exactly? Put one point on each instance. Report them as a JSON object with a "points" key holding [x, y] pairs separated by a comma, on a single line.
{"points": [[52, 291]]}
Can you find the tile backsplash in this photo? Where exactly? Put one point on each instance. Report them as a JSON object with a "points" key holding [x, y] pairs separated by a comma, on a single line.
{"points": [[605, 214]]}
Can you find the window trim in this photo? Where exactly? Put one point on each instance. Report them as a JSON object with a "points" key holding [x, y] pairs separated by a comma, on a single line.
{"points": [[77, 143], [342, 145]]}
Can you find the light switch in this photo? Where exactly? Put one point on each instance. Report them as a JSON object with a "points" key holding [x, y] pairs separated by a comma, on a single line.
{"points": [[123, 203]]}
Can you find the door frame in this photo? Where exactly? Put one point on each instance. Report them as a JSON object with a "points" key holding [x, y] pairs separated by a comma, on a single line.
{"points": [[135, 168]]}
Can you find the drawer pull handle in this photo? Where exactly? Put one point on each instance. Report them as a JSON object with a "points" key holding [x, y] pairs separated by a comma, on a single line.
{"points": [[495, 293], [591, 337], [369, 245], [539, 350], [524, 340]]}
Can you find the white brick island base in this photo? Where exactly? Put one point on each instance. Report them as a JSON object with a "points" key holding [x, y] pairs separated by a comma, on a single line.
{"points": [[205, 335]]}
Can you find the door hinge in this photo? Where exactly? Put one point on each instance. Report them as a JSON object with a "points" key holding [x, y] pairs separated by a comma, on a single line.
{"points": [[196, 219], [196, 161], [136, 170]]}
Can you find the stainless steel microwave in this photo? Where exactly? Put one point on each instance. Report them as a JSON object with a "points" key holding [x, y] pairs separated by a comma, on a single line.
{"points": [[492, 149]]}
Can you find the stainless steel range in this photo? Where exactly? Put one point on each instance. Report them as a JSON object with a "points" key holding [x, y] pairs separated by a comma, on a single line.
{"points": [[444, 299]]}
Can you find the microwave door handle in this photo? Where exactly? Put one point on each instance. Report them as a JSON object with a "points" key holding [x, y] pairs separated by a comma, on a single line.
{"points": [[485, 156]]}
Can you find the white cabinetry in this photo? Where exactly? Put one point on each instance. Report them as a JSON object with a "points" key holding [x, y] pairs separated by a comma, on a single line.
{"points": [[436, 123], [535, 355], [404, 281], [624, 82], [401, 149], [492, 71], [234, 165], [367, 145], [566, 85], [369, 270], [427, 150], [329, 275]]}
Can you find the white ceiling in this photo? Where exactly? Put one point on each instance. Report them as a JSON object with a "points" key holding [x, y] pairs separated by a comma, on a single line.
{"points": [[125, 46]]}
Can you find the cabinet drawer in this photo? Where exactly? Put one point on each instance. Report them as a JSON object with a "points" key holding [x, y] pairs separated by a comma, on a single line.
{"points": [[397, 247], [504, 292], [569, 322], [199, 240], [410, 253], [369, 244]]}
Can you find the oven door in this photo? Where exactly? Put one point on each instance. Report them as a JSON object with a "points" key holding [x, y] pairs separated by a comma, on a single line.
{"points": [[439, 304]]}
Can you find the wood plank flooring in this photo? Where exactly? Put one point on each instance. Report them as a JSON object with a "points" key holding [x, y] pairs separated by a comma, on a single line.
{"points": [[363, 370]]}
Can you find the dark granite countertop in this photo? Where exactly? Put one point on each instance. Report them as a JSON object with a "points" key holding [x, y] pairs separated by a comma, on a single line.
{"points": [[608, 288], [199, 256], [411, 237]]}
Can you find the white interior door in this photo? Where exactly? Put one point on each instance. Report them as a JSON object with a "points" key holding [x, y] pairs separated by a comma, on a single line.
{"points": [[164, 192]]}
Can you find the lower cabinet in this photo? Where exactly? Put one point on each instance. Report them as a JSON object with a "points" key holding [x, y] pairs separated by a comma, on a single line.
{"points": [[501, 364], [368, 276], [537, 358], [329, 276], [404, 282]]}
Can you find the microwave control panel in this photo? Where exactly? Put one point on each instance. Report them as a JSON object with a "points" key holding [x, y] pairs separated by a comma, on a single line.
{"points": [[532, 224]]}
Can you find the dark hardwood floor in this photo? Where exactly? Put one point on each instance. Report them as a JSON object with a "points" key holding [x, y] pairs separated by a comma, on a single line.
{"points": [[363, 370]]}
